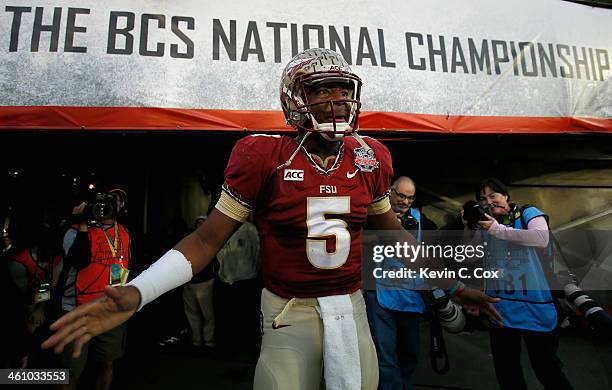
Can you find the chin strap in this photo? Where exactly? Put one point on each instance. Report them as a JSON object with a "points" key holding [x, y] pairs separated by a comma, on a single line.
{"points": [[362, 142], [288, 162]]}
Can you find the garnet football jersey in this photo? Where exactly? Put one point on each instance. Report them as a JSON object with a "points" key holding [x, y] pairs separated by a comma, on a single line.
{"points": [[309, 220]]}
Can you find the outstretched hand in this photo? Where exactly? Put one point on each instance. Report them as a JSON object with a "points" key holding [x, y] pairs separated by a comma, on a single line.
{"points": [[94, 318], [476, 301]]}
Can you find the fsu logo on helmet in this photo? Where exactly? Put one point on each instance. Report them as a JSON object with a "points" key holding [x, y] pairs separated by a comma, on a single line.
{"points": [[293, 67]]}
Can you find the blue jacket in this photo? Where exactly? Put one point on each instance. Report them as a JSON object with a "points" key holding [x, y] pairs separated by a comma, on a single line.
{"points": [[402, 298], [526, 301]]}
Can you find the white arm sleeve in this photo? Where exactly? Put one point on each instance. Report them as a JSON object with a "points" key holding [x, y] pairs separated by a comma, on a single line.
{"points": [[170, 271]]}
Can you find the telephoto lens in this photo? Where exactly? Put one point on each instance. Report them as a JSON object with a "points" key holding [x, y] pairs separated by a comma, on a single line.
{"points": [[448, 313], [451, 317], [597, 317]]}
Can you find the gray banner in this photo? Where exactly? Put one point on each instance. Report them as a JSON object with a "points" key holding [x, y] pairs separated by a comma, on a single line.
{"points": [[194, 54]]}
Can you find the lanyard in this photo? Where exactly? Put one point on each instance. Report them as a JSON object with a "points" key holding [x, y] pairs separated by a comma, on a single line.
{"points": [[113, 245], [510, 219], [45, 270]]}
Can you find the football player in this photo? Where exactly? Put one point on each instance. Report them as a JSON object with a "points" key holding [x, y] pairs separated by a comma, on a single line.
{"points": [[311, 196]]}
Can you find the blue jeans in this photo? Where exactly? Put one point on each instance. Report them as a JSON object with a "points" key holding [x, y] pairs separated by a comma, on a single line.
{"points": [[396, 337]]}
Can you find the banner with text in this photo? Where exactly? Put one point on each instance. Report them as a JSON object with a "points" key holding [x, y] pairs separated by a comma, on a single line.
{"points": [[436, 66]]}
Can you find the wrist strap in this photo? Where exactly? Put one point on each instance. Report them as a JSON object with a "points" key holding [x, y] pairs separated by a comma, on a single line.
{"points": [[456, 289]]}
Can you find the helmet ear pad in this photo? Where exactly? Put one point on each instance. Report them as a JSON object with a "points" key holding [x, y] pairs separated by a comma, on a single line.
{"points": [[294, 116]]}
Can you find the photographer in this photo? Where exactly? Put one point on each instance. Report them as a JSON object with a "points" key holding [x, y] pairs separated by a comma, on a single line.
{"points": [[393, 312], [34, 270], [513, 233], [97, 254]]}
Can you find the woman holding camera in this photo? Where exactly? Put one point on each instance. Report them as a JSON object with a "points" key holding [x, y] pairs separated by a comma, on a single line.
{"points": [[514, 236]]}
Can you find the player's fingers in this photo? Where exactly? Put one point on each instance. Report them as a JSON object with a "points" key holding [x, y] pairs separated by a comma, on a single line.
{"points": [[490, 310], [73, 336], [69, 317], [78, 345], [64, 332], [68, 336]]}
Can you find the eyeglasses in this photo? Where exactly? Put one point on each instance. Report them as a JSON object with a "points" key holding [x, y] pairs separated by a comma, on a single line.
{"points": [[403, 196]]}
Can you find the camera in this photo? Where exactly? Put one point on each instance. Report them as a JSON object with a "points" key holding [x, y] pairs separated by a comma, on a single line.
{"points": [[474, 212], [596, 316], [448, 313], [103, 207], [409, 222]]}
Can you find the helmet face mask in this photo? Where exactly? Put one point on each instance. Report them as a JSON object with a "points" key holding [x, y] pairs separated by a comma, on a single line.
{"points": [[309, 71]]}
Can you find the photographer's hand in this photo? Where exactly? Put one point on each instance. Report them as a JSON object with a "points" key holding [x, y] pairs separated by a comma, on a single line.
{"points": [[486, 225], [79, 209], [94, 318]]}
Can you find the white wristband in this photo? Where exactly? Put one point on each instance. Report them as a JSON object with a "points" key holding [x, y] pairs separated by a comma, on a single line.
{"points": [[170, 271]]}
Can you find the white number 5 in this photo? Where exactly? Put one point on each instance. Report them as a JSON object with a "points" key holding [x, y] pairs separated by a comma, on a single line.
{"points": [[319, 227]]}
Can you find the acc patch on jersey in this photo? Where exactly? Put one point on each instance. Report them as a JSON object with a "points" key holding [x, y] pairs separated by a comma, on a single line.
{"points": [[293, 175], [365, 159]]}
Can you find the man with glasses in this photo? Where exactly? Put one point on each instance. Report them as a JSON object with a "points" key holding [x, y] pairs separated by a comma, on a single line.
{"points": [[393, 313], [402, 197]]}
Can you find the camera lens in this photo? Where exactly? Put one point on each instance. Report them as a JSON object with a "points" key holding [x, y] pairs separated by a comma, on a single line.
{"points": [[451, 317], [409, 222], [597, 317]]}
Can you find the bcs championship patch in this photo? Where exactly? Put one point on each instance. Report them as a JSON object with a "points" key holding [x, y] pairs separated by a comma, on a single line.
{"points": [[365, 159]]}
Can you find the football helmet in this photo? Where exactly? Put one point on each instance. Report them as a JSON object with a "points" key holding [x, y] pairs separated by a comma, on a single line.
{"points": [[315, 67]]}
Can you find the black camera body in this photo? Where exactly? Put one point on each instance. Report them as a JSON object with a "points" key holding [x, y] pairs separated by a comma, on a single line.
{"points": [[409, 222], [104, 206], [473, 212]]}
